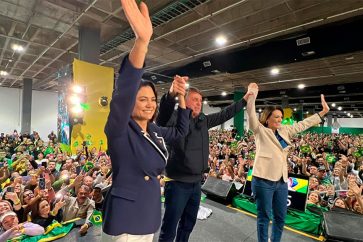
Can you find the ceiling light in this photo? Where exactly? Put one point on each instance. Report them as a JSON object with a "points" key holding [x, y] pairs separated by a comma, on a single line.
{"points": [[224, 93], [77, 89], [301, 86], [187, 85], [275, 71], [348, 114], [205, 102], [259, 110], [244, 108], [333, 105], [345, 111], [17, 48], [3, 73], [307, 112], [75, 100], [76, 109], [221, 40], [295, 109], [340, 108]]}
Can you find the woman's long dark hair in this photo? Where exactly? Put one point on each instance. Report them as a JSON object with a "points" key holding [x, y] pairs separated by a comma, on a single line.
{"points": [[145, 83]]}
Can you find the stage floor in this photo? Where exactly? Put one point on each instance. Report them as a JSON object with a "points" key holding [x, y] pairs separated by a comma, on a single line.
{"points": [[224, 225]]}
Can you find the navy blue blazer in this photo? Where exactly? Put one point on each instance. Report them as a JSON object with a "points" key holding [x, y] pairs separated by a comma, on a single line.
{"points": [[133, 204]]}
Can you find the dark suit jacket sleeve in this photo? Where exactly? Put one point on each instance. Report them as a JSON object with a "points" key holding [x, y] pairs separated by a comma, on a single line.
{"points": [[226, 114], [166, 109], [180, 130], [123, 98]]}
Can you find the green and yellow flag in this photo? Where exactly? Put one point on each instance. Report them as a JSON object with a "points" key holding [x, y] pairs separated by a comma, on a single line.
{"points": [[52, 232], [96, 218], [305, 149]]}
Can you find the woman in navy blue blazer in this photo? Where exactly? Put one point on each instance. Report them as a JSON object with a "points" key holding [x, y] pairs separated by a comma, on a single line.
{"points": [[132, 207]]}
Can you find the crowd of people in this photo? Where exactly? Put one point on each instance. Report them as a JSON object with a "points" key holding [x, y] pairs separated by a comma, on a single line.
{"points": [[41, 183], [333, 163]]}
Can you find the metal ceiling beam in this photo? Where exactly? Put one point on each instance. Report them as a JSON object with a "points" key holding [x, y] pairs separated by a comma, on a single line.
{"points": [[58, 38]]}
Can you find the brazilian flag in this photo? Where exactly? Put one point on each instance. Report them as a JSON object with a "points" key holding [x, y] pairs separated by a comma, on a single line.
{"points": [[88, 166], [305, 149], [96, 218], [52, 232], [233, 144], [330, 158], [357, 154], [252, 155]]}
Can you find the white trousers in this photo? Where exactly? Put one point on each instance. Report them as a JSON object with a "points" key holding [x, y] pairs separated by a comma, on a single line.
{"points": [[127, 238]]}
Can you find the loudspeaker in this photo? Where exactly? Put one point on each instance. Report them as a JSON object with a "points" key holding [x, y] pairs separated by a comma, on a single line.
{"points": [[343, 225], [219, 190]]}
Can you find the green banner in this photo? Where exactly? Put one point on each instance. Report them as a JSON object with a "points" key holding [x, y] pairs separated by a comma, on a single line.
{"points": [[308, 222]]}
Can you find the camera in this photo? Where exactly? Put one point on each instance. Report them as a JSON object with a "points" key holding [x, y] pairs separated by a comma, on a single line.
{"points": [[103, 101]]}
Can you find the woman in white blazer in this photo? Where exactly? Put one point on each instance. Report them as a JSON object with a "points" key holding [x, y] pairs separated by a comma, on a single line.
{"points": [[269, 183]]}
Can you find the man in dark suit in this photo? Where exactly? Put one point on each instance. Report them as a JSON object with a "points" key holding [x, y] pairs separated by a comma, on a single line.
{"points": [[188, 160]]}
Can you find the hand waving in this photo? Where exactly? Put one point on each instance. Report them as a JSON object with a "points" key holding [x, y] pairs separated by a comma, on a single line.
{"points": [[139, 20], [324, 105]]}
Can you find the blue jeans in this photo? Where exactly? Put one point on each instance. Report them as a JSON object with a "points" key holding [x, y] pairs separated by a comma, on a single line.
{"points": [[181, 206], [269, 196]]}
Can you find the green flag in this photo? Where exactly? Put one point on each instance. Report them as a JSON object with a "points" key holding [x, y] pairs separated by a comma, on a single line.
{"points": [[233, 144], [357, 154], [52, 232], [330, 158], [75, 144], [65, 148], [88, 166], [305, 149], [252, 155], [48, 151], [96, 218]]}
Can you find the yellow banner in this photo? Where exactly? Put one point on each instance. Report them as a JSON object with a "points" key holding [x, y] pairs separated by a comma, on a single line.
{"points": [[97, 82]]}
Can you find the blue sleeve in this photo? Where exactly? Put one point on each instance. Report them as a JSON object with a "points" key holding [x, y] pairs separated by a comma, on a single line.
{"points": [[123, 98], [180, 130], [166, 109], [226, 114]]}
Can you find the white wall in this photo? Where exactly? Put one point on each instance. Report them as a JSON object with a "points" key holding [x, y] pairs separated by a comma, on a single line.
{"points": [[351, 122], [44, 111], [10, 99]]}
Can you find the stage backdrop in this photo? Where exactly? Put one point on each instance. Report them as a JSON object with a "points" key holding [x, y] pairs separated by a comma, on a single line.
{"points": [[97, 81]]}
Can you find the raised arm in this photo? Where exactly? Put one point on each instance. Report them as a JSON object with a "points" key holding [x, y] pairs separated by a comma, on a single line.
{"points": [[124, 94], [251, 109], [167, 102], [310, 121]]}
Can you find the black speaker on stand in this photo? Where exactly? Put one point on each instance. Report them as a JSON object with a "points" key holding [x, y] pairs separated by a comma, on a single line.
{"points": [[343, 225], [219, 190]]}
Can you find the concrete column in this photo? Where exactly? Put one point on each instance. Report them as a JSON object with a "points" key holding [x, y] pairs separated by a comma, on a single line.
{"points": [[26, 107], [89, 43], [238, 120], [330, 120]]}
